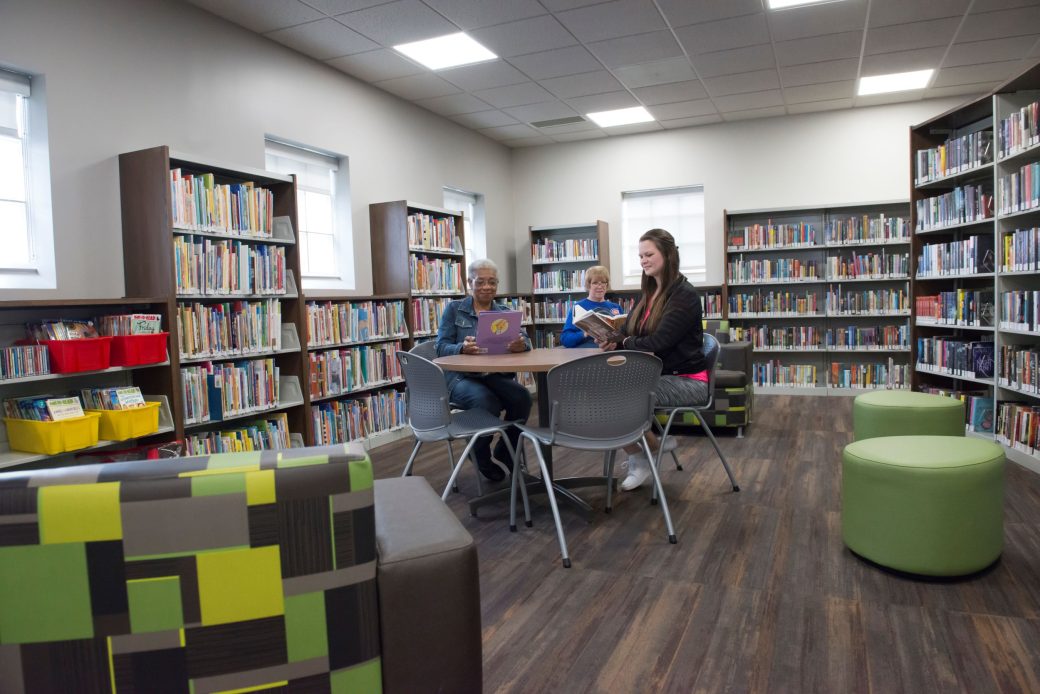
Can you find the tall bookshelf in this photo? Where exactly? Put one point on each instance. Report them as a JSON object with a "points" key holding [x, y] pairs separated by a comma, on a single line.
{"points": [[823, 296], [560, 255], [984, 156], [156, 238]]}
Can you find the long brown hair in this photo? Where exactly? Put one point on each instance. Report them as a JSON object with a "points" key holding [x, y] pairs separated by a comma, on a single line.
{"points": [[665, 244]]}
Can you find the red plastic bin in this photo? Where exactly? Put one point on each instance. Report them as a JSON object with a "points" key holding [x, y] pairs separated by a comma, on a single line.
{"points": [[85, 354], [134, 350]]}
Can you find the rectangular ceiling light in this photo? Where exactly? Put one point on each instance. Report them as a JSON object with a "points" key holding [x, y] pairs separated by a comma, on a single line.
{"points": [[895, 82], [621, 116], [784, 4], [446, 51]]}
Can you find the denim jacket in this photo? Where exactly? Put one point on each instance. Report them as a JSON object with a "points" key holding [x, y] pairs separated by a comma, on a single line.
{"points": [[458, 322]]}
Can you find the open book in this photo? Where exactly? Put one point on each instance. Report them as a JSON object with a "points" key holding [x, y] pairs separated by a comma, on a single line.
{"points": [[602, 327]]}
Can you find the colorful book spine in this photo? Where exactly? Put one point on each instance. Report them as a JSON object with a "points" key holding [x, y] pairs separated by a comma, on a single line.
{"points": [[559, 281], [954, 156], [865, 302], [1020, 250], [436, 275], [21, 362], [1020, 310], [1018, 426], [868, 375], [217, 391], [426, 314], [269, 433], [229, 328], [770, 235], [867, 229], [201, 204], [774, 302], [431, 233], [549, 311], [335, 372], [340, 421], [970, 203], [1019, 191], [1020, 130], [549, 250], [219, 267], [883, 265], [741, 270], [773, 373], [879, 337], [338, 322], [968, 256]]}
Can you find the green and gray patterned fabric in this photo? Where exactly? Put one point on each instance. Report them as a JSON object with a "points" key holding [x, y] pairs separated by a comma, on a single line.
{"points": [[225, 573]]}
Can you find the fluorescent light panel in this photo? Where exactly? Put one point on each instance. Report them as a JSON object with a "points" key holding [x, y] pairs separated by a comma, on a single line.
{"points": [[895, 82], [784, 4], [446, 51], [621, 116]]}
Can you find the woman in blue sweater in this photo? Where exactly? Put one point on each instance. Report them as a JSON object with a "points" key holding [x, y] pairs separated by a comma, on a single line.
{"points": [[597, 280]]}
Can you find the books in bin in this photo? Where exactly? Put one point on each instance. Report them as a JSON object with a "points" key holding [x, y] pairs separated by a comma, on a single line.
{"points": [[601, 327]]}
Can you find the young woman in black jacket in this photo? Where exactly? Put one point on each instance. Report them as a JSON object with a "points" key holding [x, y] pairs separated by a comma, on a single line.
{"points": [[666, 321]]}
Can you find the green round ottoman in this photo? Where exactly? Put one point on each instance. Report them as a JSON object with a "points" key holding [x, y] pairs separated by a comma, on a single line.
{"points": [[931, 505], [906, 413]]}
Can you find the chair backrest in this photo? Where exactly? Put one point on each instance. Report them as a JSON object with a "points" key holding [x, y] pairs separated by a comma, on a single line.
{"points": [[426, 350], [710, 349], [146, 576], [428, 407], [606, 395]]}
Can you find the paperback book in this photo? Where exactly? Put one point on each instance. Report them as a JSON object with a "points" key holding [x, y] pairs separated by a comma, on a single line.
{"points": [[603, 328]]}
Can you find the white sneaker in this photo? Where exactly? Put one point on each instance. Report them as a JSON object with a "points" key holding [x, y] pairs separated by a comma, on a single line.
{"points": [[670, 444], [638, 472]]}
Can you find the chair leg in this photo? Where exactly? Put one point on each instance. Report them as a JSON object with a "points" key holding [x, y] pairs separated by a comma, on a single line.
{"points": [[451, 463], [458, 467], [659, 490], [411, 460], [609, 474], [517, 474], [664, 433], [552, 502], [711, 437]]}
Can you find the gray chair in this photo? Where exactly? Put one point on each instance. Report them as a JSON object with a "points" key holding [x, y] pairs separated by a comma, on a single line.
{"points": [[431, 419], [597, 403], [426, 350], [710, 349]]}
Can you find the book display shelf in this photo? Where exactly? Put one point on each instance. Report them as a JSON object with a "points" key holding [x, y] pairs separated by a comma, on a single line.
{"points": [[822, 294], [218, 244], [976, 211], [713, 302], [75, 373], [560, 255]]}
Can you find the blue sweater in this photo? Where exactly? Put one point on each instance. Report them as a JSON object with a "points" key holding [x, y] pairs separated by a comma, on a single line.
{"points": [[574, 337]]}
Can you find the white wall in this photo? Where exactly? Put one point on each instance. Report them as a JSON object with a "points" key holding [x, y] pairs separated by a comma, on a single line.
{"points": [[807, 160], [129, 74]]}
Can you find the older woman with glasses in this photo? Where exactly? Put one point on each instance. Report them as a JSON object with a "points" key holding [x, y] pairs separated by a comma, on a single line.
{"points": [[597, 281], [493, 392]]}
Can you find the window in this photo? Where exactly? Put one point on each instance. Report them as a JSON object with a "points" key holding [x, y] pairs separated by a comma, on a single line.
{"points": [[323, 211], [677, 210], [472, 206], [26, 231]]}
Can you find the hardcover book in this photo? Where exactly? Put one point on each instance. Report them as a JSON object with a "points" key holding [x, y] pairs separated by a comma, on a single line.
{"points": [[496, 329]]}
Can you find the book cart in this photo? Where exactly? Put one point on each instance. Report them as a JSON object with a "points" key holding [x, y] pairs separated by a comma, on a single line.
{"points": [[976, 206], [822, 294]]}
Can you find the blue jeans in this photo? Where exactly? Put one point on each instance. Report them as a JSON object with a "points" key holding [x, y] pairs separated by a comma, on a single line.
{"points": [[494, 393]]}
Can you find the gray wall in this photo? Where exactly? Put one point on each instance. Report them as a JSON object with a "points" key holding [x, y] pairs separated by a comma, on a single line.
{"points": [[128, 74]]}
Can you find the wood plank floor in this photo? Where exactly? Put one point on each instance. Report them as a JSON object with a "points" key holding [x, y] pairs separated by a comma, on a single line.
{"points": [[758, 596]]}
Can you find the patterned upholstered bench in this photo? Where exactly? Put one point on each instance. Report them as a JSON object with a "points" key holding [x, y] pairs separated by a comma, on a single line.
{"points": [[232, 572]]}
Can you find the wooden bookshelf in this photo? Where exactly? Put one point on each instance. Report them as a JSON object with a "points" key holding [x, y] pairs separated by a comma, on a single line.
{"points": [[149, 234], [822, 295]]}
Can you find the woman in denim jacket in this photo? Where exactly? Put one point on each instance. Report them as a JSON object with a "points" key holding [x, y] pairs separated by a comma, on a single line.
{"points": [[493, 392]]}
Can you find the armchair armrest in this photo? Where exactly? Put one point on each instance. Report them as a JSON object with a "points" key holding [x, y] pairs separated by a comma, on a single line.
{"points": [[735, 356]]}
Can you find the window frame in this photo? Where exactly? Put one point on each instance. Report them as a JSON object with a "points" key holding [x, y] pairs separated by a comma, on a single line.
{"points": [[693, 272], [474, 228]]}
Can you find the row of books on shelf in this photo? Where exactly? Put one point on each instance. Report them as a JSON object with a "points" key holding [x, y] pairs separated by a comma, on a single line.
{"points": [[559, 281], [1020, 310], [547, 338], [229, 328], [432, 233], [812, 337], [846, 375], [336, 322], [213, 392], [773, 269], [1019, 191], [978, 406], [201, 204], [1021, 250], [968, 307], [963, 205], [867, 229], [770, 235], [209, 266], [24, 361], [340, 421], [1018, 426], [1020, 130], [269, 433], [334, 372], [968, 256], [1020, 367], [837, 301], [516, 303], [954, 156], [956, 356], [862, 229], [550, 250], [426, 314], [436, 275], [868, 265]]}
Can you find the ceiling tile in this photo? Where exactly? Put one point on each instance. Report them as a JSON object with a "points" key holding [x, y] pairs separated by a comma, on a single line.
{"points": [[885, 12], [398, 22], [751, 113], [559, 5], [682, 12], [1011, 48], [260, 15], [424, 86], [724, 34], [969, 74], [610, 20], [905, 37], [827, 71], [323, 39], [533, 113], [891, 98], [473, 14], [812, 20], [757, 81], [742, 102], [633, 129], [734, 61], [901, 61], [528, 141], [453, 104], [819, 48], [556, 63], [684, 109], [596, 134], [554, 130], [602, 102], [960, 90], [660, 72], [509, 132], [991, 5], [514, 95], [373, 66], [671, 93], [494, 73], [814, 106], [584, 84], [633, 50], [690, 122], [995, 25], [484, 119], [334, 7], [525, 36], [820, 92]]}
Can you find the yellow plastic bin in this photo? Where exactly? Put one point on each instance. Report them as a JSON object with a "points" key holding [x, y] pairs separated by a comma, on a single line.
{"points": [[51, 438], [120, 425]]}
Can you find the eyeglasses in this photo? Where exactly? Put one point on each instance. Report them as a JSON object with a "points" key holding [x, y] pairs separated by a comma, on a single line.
{"points": [[485, 283], [602, 283]]}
